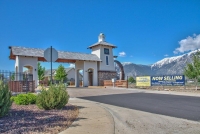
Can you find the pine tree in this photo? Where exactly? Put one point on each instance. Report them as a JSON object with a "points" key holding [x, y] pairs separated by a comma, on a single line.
{"points": [[192, 70], [41, 71], [61, 74]]}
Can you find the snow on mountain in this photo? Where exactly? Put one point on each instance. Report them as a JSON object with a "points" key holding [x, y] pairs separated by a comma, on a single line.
{"points": [[166, 61], [169, 60], [167, 66]]}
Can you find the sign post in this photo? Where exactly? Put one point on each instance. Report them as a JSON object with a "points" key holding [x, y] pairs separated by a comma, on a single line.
{"points": [[51, 55], [51, 64], [113, 81]]}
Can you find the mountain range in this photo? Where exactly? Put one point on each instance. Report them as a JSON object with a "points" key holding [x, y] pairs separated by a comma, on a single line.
{"points": [[167, 66]]}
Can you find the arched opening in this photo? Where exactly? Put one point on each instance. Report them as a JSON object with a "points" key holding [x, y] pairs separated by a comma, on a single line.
{"points": [[27, 73], [90, 77], [120, 69], [28, 69]]}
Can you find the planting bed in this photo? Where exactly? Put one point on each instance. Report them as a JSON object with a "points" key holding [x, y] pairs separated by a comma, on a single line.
{"points": [[29, 119]]}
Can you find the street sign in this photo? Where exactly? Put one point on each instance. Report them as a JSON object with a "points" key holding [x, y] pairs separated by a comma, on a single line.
{"points": [[47, 54]]}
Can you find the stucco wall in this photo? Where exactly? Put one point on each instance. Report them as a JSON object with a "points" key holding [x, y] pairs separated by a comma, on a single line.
{"points": [[85, 65], [103, 65], [22, 61], [96, 50], [90, 65], [79, 65], [99, 51]]}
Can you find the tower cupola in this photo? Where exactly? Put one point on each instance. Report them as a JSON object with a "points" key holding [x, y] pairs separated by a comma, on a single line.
{"points": [[101, 37]]}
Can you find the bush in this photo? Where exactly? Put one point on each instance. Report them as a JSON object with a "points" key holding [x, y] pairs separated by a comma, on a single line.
{"points": [[54, 98], [25, 99], [12, 98], [5, 102], [31, 98], [131, 80], [22, 99]]}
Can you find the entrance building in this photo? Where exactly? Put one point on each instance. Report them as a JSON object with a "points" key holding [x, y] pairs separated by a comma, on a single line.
{"points": [[97, 66]]}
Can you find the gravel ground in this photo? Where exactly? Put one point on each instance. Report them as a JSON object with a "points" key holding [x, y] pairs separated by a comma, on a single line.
{"points": [[29, 119]]}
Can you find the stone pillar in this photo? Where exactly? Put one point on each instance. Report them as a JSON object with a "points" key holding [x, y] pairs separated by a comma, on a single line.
{"points": [[105, 75]]}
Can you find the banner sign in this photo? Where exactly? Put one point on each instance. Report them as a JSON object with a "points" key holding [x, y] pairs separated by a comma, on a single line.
{"points": [[169, 80], [143, 81]]}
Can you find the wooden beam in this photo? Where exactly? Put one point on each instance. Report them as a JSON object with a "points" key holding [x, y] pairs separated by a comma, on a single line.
{"points": [[41, 59], [12, 57], [66, 60]]}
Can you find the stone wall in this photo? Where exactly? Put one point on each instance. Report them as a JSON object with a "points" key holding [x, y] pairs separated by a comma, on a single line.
{"points": [[105, 75]]}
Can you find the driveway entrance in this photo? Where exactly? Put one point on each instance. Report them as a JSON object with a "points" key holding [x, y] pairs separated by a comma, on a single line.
{"points": [[139, 111]]}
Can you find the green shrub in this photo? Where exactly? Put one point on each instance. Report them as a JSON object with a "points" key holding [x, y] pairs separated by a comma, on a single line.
{"points": [[31, 98], [22, 99], [56, 97], [25, 99], [5, 102], [12, 98]]}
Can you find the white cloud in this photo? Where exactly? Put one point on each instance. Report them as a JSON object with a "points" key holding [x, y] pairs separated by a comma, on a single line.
{"points": [[188, 44], [71, 65], [122, 54], [166, 55]]}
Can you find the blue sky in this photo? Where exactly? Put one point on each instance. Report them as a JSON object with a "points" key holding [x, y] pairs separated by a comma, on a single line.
{"points": [[145, 31]]}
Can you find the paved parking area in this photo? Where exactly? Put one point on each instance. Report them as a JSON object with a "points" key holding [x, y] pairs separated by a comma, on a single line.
{"points": [[144, 111], [186, 107], [83, 92]]}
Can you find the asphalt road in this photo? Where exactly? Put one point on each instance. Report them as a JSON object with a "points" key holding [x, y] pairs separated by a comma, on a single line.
{"points": [[171, 105]]}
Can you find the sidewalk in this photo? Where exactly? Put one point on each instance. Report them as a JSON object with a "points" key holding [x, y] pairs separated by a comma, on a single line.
{"points": [[92, 119]]}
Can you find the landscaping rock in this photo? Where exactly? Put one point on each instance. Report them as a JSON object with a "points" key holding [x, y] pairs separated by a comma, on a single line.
{"points": [[30, 119]]}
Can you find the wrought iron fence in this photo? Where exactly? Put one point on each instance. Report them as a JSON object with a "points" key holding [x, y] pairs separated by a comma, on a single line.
{"points": [[18, 82]]}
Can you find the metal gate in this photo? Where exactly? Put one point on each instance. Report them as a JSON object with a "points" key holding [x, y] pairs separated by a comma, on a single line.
{"points": [[18, 82]]}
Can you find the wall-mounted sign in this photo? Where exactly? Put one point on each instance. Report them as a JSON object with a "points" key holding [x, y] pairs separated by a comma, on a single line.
{"points": [[169, 80], [143, 81]]}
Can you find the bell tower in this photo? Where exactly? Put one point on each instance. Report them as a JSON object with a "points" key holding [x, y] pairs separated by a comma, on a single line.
{"points": [[104, 50]]}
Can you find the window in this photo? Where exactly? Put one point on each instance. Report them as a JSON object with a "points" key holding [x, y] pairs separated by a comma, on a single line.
{"points": [[107, 60], [106, 51]]}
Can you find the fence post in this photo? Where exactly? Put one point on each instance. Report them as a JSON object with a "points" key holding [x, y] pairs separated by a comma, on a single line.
{"points": [[26, 81], [127, 82], [10, 76]]}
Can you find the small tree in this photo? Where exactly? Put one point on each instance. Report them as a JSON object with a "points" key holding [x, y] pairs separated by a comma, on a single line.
{"points": [[61, 74], [131, 80], [13, 77], [41, 72], [192, 70], [5, 102]]}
